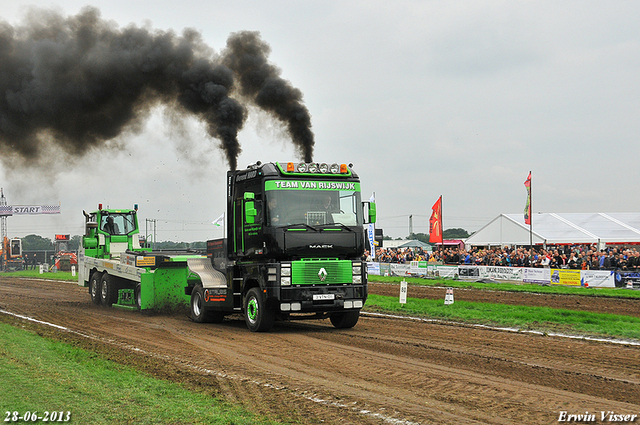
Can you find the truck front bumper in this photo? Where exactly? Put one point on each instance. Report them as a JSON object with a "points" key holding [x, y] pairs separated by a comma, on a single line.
{"points": [[322, 298]]}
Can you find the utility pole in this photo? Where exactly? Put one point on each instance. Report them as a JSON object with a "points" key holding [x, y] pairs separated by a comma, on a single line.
{"points": [[411, 225], [3, 218], [150, 223]]}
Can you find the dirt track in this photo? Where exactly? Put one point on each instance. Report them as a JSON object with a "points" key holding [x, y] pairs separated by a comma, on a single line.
{"points": [[382, 371]]}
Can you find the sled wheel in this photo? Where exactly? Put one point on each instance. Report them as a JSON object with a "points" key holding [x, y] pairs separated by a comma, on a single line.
{"points": [[138, 297], [108, 290], [94, 287]]}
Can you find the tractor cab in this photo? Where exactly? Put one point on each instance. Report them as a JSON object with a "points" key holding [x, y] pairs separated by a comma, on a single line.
{"points": [[109, 233]]}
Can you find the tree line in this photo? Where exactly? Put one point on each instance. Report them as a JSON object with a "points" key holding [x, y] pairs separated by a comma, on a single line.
{"points": [[453, 233], [39, 243]]}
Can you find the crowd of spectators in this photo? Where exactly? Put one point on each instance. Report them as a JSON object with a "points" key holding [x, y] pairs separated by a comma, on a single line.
{"points": [[580, 257]]}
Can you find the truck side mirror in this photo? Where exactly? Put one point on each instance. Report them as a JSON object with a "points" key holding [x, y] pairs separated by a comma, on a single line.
{"points": [[370, 211], [250, 211], [91, 225]]}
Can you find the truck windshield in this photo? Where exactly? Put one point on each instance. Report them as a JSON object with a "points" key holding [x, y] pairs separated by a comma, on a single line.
{"points": [[117, 223], [314, 207]]}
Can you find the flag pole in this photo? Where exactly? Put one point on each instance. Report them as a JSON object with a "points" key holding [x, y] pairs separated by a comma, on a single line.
{"points": [[530, 217], [441, 224]]}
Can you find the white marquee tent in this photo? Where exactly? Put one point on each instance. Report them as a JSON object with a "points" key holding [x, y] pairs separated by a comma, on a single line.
{"points": [[557, 228]]}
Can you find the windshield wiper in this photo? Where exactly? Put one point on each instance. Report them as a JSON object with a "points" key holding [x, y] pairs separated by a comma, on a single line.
{"points": [[344, 226], [308, 226]]}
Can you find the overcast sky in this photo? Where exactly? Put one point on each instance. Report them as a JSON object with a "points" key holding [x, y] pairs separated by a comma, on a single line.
{"points": [[426, 98]]}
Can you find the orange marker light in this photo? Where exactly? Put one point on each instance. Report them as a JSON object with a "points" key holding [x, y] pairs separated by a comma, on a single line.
{"points": [[290, 167], [343, 168]]}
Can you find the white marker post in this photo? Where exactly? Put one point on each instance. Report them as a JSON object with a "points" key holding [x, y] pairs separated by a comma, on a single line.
{"points": [[403, 292], [73, 271], [448, 298]]}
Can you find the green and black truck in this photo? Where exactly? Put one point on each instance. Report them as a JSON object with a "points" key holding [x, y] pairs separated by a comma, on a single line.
{"points": [[293, 249]]}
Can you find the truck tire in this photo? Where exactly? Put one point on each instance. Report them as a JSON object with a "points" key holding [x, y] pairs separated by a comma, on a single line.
{"points": [[108, 290], [345, 320], [259, 318], [94, 287], [138, 297], [198, 312]]}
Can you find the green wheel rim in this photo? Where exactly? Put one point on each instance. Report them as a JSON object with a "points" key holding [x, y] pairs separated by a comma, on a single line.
{"points": [[252, 309]]}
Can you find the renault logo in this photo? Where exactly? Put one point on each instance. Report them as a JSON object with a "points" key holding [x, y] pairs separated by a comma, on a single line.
{"points": [[322, 274]]}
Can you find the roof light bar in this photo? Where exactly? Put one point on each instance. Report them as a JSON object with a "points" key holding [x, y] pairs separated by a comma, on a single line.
{"points": [[317, 168]]}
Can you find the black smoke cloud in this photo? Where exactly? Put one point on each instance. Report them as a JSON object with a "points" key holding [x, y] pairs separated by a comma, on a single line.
{"points": [[260, 81], [80, 81]]}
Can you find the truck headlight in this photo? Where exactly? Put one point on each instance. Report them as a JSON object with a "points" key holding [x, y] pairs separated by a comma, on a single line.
{"points": [[357, 279], [285, 281]]}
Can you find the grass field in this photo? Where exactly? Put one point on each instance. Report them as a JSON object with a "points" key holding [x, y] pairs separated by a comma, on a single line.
{"points": [[40, 375], [544, 319], [35, 274]]}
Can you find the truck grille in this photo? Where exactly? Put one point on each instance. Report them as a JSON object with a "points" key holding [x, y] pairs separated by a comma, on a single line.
{"points": [[321, 272]]}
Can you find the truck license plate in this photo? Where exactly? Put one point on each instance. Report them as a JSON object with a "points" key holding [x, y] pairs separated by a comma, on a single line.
{"points": [[319, 297]]}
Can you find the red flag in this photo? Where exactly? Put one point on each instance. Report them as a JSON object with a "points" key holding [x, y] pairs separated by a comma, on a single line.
{"points": [[435, 222], [527, 208]]}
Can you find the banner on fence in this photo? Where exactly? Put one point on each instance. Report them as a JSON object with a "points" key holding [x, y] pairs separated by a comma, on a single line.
{"points": [[419, 268], [501, 273], [541, 276], [565, 277], [444, 271], [597, 278], [466, 271], [400, 270], [373, 268], [622, 279]]}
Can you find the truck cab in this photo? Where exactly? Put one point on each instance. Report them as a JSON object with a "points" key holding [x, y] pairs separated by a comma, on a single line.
{"points": [[110, 232], [294, 246]]}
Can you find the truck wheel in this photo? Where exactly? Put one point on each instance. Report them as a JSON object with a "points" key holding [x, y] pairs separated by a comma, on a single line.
{"points": [[108, 290], [94, 287], [258, 317], [198, 312], [138, 297], [345, 320]]}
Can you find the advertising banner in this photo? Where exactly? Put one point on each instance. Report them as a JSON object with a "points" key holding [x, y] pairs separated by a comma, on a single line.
{"points": [[622, 279], [597, 278], [373, 268], [501, 273], [385, 269], [371, 237], [400, 270], [444, 271], [531, 275], [466, 271], [565, 277], [419, 268]]}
